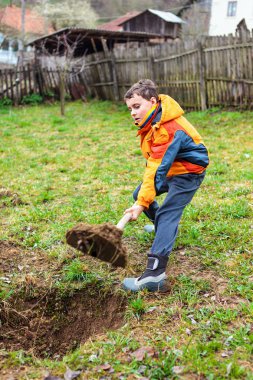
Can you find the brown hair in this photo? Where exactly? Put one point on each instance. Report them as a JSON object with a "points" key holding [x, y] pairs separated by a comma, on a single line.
{"points": [[145, 88]]}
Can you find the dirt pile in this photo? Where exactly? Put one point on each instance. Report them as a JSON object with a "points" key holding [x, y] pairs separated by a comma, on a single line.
{"points": [[101, 241]]}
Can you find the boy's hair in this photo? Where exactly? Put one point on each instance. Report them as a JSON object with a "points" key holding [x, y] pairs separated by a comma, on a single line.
{"points": [[145, 88]]}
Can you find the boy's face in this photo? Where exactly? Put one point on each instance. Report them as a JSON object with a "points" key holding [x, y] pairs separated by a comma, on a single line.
{"points": [[139, 107]]}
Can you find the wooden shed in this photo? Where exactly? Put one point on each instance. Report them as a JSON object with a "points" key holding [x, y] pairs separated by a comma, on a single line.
{"points": [[165, 24], [88, 41]]}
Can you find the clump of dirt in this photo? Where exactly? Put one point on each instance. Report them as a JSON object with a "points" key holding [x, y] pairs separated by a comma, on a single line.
{"points": [[102, 241], [52, 325], [14, 198]]}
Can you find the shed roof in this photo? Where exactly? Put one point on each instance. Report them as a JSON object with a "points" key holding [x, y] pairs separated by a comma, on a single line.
{"points": [[167, 16], [85, 37], [115, 24]]}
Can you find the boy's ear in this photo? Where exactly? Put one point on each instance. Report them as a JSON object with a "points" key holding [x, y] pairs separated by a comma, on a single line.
{"points": [[153, 100]]}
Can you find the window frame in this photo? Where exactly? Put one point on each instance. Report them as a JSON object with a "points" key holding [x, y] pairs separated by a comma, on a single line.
{"points": [[232, 9]]}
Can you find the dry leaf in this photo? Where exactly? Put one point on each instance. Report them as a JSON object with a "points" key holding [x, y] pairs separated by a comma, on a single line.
{"points": [[140, 354], [105, 367], [188, 331], [71, 375], [177, 369]]}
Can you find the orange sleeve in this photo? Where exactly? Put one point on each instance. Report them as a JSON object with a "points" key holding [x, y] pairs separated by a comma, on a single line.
{"points": [[147, 191]]}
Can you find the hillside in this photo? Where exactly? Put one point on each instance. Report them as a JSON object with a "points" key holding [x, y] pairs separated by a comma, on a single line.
{"points": [[113, 8], [108, 9]]}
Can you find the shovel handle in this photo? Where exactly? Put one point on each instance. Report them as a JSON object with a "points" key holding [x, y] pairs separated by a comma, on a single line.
{"points": [[124, 220]]}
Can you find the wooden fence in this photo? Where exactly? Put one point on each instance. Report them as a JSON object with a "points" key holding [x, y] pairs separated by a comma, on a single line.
{"points": [[16, 84], [216, 71]]}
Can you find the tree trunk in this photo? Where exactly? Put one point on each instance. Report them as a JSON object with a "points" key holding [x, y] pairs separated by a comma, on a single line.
{"points": [[23, 5], [62, 92]]}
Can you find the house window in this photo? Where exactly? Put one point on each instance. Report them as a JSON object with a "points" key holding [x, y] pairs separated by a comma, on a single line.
{"points": [[232, 5]]}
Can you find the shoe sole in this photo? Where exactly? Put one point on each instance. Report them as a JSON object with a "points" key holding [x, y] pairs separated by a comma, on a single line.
{"points": [[150, 286]]}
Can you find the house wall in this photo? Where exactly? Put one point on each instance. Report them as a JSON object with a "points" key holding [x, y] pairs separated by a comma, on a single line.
{"points": [[8, 50], [8, 57], [222, 24]]}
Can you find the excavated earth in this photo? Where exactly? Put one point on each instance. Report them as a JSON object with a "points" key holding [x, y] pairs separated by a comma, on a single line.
{"points": [[44, 320], [102, 241]]}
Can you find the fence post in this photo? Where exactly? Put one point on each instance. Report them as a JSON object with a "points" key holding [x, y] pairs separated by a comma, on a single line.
{"points": [[112, 68], [151, 63], [202, 80], [39, 79], [114, 78]]}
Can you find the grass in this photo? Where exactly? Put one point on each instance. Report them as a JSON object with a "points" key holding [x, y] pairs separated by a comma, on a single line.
{"points": [[136, 308], [84, 168]]}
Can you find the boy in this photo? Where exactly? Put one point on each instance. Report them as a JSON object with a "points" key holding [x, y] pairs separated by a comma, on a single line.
{"points": [[176, 162]]}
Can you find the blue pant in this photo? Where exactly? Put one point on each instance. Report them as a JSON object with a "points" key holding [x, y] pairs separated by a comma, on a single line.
{"points": [[180, 189]]}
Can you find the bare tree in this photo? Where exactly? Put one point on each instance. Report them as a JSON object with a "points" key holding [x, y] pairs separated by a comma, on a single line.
{"points": [[63, 61], [23, 11]]}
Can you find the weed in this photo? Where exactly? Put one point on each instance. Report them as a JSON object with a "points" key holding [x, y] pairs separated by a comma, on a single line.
{"points": [[18, 358], [32, 99], [164, 367], [76, 271], [187, 291], [5, 102], [136, 308], [5, 293]]}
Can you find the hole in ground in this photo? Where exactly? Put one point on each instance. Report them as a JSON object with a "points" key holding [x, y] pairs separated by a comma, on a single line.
{"points": [[52, 325]]}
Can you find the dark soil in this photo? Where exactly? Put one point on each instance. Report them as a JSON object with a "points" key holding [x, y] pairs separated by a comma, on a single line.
{"points": [[45, 321], [102, 241], [54, 325]]}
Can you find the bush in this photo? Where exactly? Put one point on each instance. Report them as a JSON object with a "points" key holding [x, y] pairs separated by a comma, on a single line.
{"points": [[32, 99], [4, 102], [49, 94]]}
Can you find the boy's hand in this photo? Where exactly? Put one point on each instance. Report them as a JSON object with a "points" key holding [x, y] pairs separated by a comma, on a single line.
{"points": [[135, 210]]}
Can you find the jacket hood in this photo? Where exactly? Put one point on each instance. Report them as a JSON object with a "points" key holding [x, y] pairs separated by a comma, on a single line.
{"points": [[170, 109]]}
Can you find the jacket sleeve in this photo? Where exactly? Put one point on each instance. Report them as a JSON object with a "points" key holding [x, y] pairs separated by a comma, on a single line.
{"points": [[156, 171], [147, 191]]}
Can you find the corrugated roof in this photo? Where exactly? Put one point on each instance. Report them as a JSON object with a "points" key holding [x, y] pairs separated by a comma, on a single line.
{"points": [[115, 24], [88, 40], [10, 17], [99, 33], [167, 16]]}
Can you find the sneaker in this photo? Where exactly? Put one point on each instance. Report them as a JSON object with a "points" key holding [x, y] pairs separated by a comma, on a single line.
{"points": [[149, 228], [153, 279]]}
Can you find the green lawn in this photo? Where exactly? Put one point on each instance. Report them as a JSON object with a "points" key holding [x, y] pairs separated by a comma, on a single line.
{"points": [[56, 172]]}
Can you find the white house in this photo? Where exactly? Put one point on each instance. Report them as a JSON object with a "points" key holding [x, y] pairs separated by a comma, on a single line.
{"points": [[226, 15]]}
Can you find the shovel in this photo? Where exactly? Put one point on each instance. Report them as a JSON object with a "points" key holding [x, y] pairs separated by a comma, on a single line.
{"points": [[102, 241]]}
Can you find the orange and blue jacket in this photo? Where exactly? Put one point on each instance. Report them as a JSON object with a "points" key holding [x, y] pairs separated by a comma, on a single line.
{"points": [[172, 146]]}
